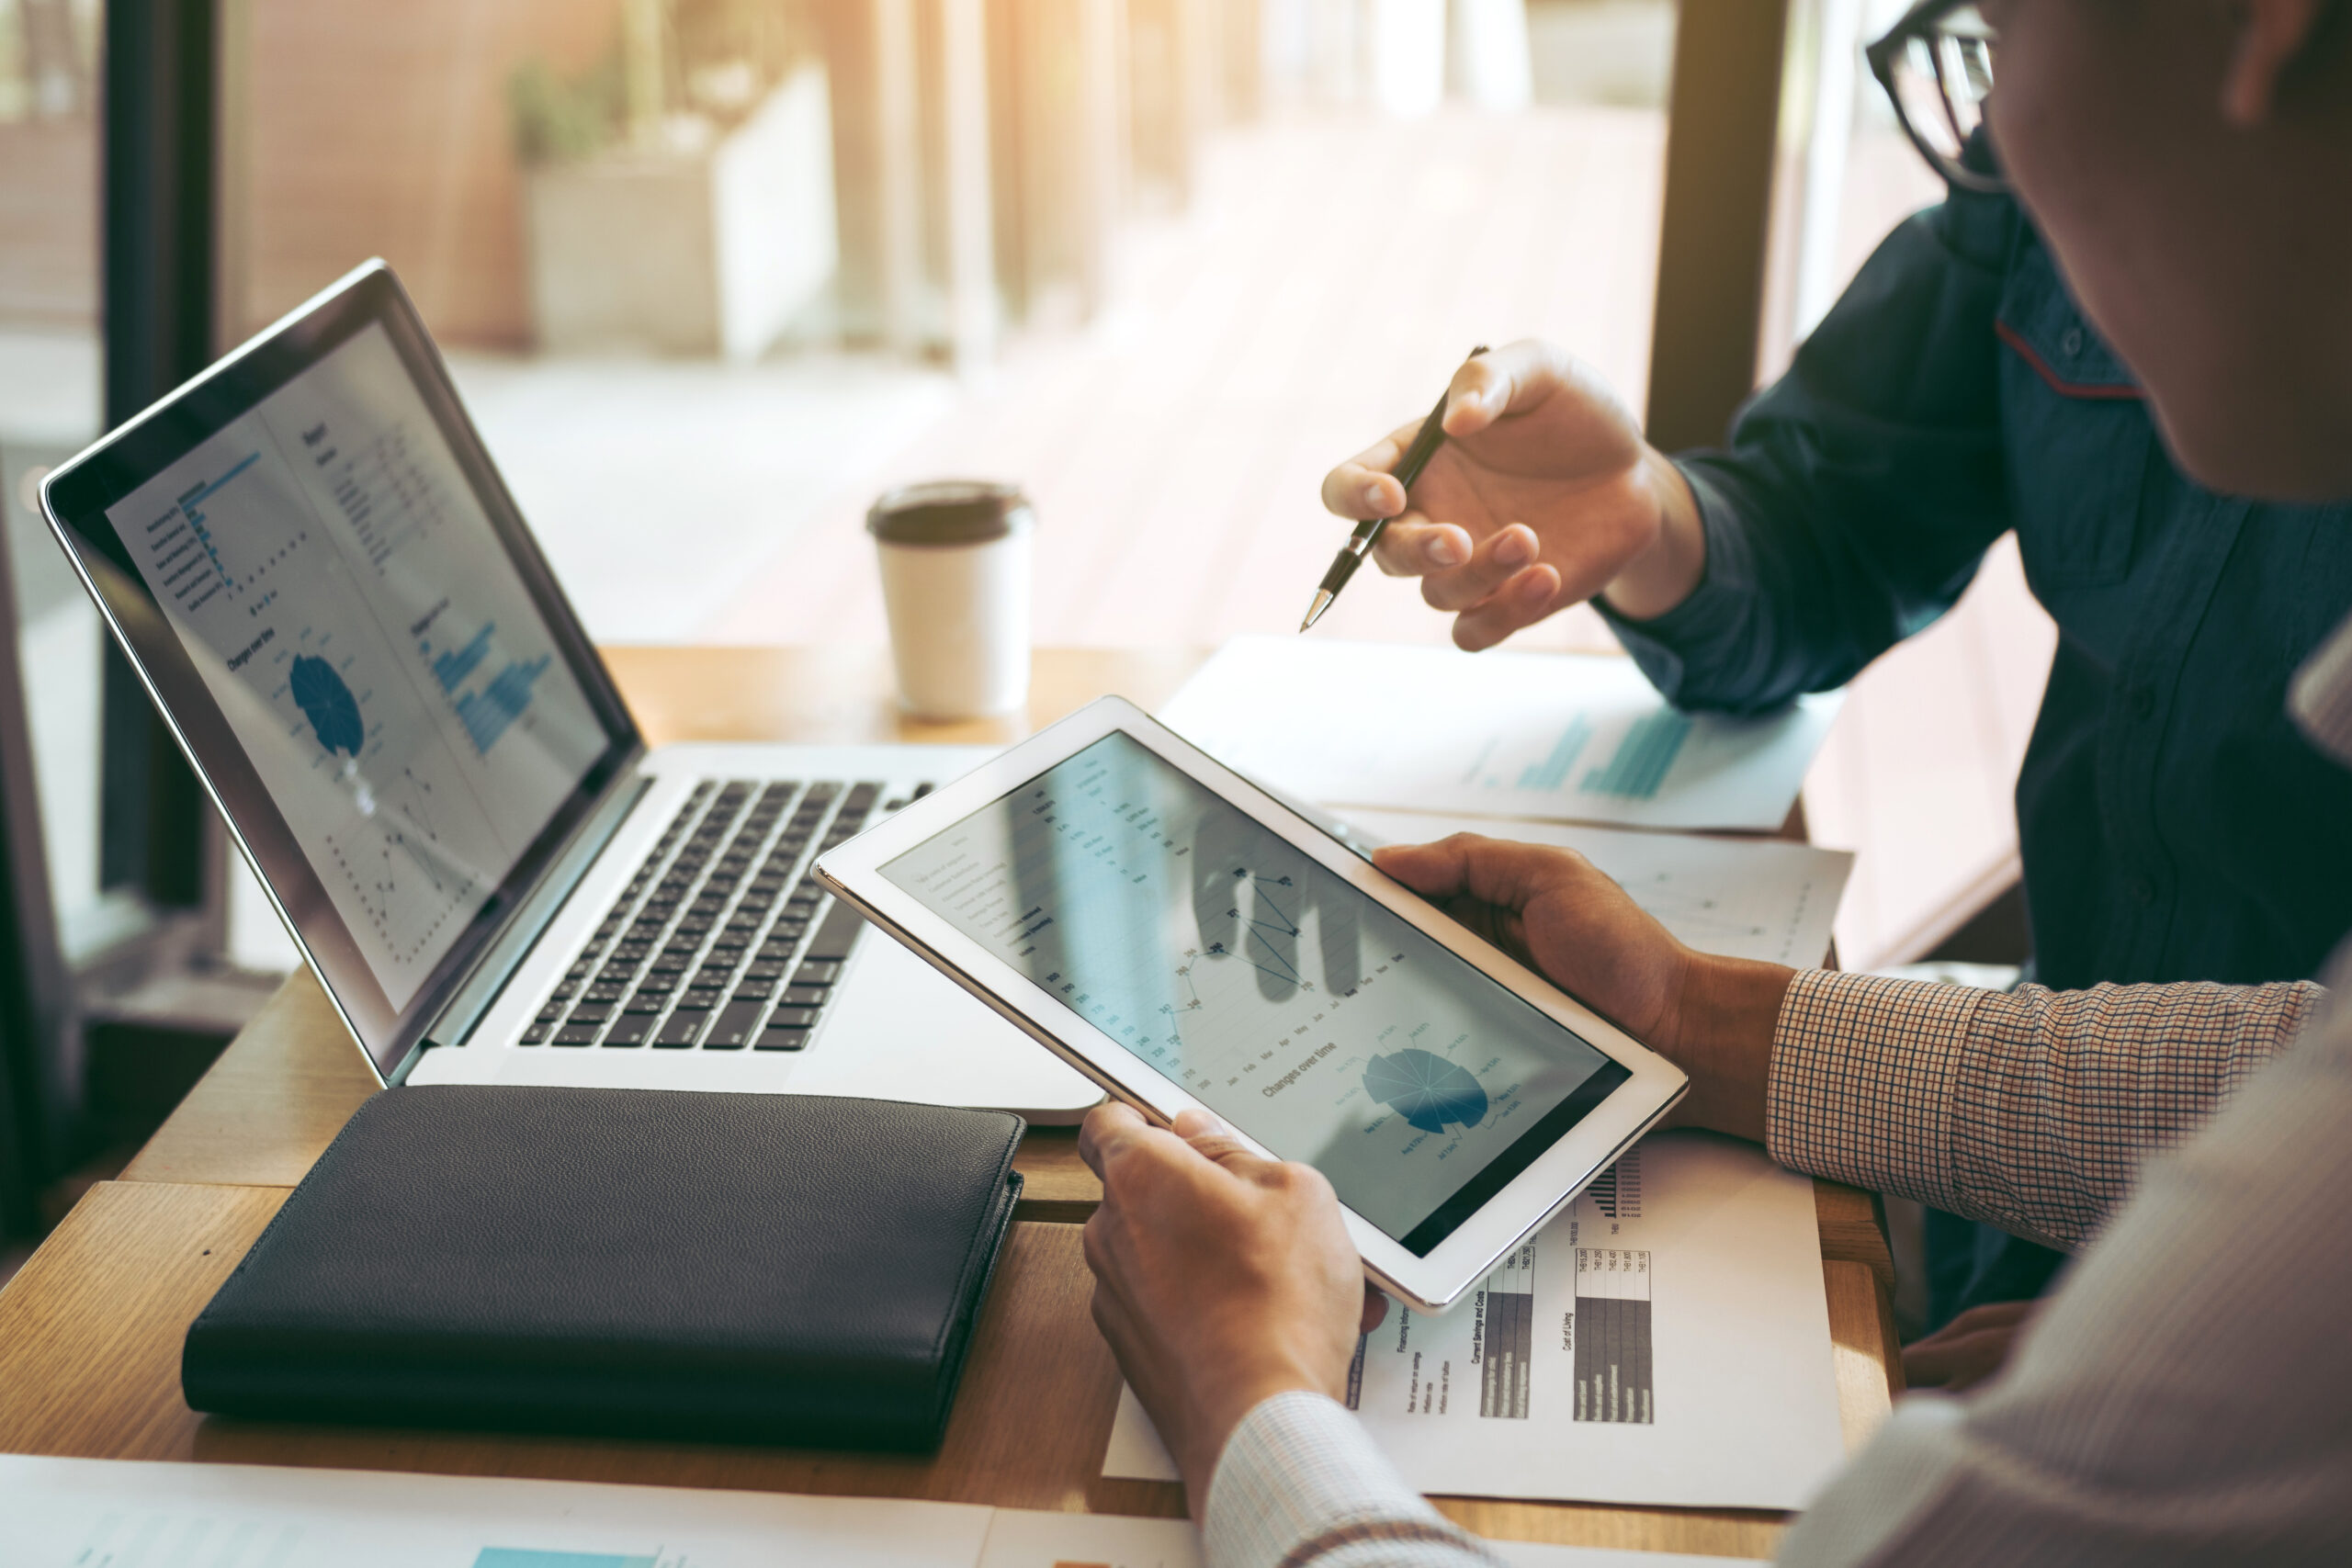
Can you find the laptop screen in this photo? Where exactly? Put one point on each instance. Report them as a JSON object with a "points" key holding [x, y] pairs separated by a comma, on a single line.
{"points": [[341, 592], [331, 597]]}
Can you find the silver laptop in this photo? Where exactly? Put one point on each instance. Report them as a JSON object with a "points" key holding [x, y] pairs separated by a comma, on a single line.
{"points": [[311, 561]]}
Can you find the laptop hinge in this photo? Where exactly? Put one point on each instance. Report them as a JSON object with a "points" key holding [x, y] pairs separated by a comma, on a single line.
{"points": [[531, 920]]}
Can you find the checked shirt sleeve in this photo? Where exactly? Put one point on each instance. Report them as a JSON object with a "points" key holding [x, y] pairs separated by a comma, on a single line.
{"points": [[2031, 1109]]}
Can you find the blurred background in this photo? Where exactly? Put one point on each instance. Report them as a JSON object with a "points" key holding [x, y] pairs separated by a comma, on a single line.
{"points": [[712, 273]]}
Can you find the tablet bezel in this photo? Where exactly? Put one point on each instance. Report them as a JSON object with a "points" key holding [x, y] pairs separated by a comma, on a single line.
{"points": [[854, 871]]}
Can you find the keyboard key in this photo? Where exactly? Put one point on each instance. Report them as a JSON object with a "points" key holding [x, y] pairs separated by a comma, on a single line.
{"points": [[750, 990], [605, 992], [576, 1034], [731, 940], [818, 972], [786, 1039], [765, 969], [792, 1017], [862, 797], [591, 1012], [682, 1028], [839, 933], [733, 1028], [629, 1032], [805, 996], [552, 1013], [702, 998], [643, 1004], [536, 1033]]}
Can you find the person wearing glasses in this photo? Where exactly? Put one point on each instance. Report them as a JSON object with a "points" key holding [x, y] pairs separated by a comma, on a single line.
{"points": [[2184, 1395], [2173, 824]]}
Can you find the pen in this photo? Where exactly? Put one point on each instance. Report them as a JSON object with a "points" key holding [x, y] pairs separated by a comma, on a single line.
{"points": [[1426, 441]]}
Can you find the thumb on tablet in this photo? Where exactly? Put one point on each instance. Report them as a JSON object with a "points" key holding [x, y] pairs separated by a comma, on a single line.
{"points": [[1213, 1140]]}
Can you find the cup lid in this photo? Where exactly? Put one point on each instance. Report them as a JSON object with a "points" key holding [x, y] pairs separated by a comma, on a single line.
{"points": [[949, 512]]}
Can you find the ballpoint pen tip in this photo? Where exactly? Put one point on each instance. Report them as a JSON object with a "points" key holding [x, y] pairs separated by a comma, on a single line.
{"points": [[1323, 597]]}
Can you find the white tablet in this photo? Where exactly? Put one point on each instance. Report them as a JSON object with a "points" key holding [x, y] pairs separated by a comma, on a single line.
{"points": [[1185, 940]]}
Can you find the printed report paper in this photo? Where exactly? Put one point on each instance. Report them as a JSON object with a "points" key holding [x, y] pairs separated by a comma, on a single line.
{"points": [[1765, 899], [1665, 1341], [78, 1513], [62, 1513], [1561, 737]]}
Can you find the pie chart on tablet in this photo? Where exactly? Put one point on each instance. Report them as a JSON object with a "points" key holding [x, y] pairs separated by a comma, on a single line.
{"points": [[1426, 1089]]}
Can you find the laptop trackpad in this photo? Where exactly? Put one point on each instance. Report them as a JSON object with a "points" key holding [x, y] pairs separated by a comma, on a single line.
{"points": [[903, 1030]]}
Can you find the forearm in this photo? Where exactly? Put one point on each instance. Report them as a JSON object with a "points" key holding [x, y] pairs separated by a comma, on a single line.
{"points": [[2031, 1109], [1299, 1483], [1855, 495]]}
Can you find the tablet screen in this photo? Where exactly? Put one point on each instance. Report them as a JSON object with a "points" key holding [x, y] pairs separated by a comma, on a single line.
{"points": [[1305, 1013]]}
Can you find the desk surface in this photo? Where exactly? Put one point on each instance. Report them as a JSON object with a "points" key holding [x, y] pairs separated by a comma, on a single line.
{"points": [[90, 1330]]}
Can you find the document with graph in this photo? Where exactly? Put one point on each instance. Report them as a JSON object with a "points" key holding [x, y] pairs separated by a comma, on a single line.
{"points": [[1560, 738], [81, 1513], [1665, 1342], [63, 1513], [1762, 898], [324, 562]]}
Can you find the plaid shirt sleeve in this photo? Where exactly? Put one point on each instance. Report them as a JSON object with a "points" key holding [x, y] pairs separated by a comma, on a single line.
{"points": [[1299, 1483], [2030, 1109]]}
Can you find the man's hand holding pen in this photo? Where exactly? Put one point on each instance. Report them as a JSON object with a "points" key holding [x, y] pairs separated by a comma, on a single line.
{"points": [[1542, 495]]}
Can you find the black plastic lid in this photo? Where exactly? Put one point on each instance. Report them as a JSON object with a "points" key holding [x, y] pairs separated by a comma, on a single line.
{"points": [[949, 512]]}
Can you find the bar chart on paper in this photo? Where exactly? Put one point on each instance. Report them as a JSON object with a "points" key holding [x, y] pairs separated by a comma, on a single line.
{"points": [[1610, 1327], [1542, 737]]}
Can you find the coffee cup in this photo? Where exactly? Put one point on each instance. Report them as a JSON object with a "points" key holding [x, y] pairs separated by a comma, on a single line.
{"points": [[954, 557]]}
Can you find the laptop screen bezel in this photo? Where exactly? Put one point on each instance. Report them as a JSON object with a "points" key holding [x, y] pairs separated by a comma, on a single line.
{"points": [[76, 497]]}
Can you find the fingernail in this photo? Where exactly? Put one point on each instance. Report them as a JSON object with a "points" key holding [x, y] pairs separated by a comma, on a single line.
{"points": [[1444, 549], [1512, 550], [1372, 497]]}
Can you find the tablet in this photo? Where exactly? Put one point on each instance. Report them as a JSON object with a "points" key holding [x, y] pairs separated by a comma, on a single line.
{"points": [[1185, 940]]}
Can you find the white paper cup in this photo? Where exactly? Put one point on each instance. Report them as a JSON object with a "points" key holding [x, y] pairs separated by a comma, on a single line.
{"points": [[954, 556]]}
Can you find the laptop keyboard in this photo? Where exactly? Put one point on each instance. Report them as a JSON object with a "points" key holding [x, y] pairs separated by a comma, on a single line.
{"points": [[722, 941]]}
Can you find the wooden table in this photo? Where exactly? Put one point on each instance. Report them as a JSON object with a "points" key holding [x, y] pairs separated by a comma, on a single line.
{"points": [[90, 1330]]}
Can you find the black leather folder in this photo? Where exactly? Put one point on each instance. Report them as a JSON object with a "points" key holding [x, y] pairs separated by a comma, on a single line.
{"points": [[777, 1267]]}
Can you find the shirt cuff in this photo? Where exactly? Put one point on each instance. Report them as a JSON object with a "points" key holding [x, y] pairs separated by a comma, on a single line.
{"points": [[1299, 1479], [1861, 1080], [1665, 647]]}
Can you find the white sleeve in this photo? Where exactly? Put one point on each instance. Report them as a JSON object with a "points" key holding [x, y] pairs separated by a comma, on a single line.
{"points": [[1299, 1483]]}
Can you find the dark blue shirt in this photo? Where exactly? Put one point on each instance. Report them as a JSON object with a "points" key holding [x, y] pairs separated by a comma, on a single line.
{"points": [[2174, 824]]}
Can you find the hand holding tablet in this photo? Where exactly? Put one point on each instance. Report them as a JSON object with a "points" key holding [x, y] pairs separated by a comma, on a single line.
{"points": [[1187, 942]]}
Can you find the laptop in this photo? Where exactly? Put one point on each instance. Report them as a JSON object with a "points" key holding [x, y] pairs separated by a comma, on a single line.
{"points": [[311, 562]]}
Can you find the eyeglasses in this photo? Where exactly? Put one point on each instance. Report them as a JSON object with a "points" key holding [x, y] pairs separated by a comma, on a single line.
{"points": [[1936, 66]]}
